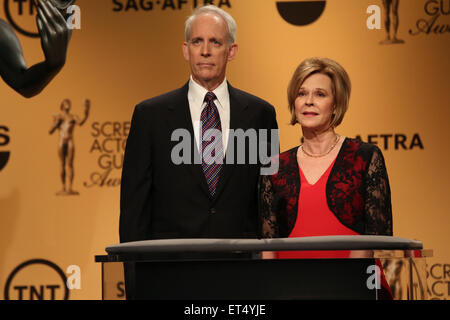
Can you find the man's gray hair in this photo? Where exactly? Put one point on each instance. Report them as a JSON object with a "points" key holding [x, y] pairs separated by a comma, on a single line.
{"points": [[211, 9]]}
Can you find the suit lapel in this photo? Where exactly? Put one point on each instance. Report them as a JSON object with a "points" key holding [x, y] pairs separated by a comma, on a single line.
{"points": [[238, 107], [179, 116]]}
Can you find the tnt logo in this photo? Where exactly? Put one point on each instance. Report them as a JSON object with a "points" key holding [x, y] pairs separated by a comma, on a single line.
{"points": [[40, 279], [21, 14]]}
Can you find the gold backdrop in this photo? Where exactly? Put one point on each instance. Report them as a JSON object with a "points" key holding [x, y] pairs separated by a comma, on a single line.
{"points": [[127, 51]]}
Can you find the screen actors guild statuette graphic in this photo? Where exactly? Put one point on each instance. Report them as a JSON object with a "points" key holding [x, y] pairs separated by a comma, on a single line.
{"points": [[66, 122], [55, 35], [391, 6]]}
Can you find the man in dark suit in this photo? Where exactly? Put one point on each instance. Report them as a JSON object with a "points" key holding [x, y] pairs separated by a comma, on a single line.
{"points": [[163, 197]]}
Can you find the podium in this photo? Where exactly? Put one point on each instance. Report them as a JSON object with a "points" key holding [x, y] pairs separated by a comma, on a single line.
{"points": [[240, 269]]}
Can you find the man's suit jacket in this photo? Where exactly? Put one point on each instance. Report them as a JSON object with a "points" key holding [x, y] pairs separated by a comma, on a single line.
{"points": [[161, 200]]}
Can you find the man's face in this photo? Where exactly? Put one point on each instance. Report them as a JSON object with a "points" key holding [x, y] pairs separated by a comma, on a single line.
{"points": [[208, 51]]}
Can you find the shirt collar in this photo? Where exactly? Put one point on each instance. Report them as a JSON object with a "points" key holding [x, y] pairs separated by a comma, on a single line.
{"points": [[198, 92]]}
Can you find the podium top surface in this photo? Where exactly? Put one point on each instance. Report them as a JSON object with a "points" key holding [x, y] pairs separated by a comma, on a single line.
{"points": [[360, 242]]}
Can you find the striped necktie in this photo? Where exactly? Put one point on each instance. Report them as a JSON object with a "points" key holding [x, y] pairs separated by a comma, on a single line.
{"points": [[212, 148]]}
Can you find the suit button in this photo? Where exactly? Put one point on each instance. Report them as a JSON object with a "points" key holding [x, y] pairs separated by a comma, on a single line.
{"points": [[212, 211]]}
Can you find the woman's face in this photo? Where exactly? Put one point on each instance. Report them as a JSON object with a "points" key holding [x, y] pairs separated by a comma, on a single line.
{"points": [[314, 104]]}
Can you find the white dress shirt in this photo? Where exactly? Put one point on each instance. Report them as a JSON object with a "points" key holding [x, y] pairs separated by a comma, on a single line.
{"points": [[196, 97]]}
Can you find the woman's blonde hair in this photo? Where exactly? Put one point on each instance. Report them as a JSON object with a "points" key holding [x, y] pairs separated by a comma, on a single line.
{"points": [[340, 84]]}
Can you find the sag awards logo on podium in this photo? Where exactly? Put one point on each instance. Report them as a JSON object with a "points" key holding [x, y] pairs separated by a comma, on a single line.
{"points": [[4, 141], [66, 122], [301, 13], [21, 15], [438, 278]]}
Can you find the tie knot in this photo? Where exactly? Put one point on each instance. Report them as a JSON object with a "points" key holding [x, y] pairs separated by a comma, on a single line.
{"points": [[210, 96]]}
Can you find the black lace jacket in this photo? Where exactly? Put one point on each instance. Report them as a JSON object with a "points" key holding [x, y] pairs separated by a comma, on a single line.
{"points": [[357, 192]]}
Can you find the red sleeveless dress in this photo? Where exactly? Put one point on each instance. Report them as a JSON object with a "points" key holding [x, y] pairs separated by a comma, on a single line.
{"points": [[314, 218]]}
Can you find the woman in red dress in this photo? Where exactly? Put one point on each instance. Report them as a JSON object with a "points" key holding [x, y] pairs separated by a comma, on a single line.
{"points": [[330, 184]]}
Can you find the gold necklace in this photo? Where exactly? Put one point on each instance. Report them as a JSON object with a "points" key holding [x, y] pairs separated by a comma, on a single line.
{"points": [[323, 154]]}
